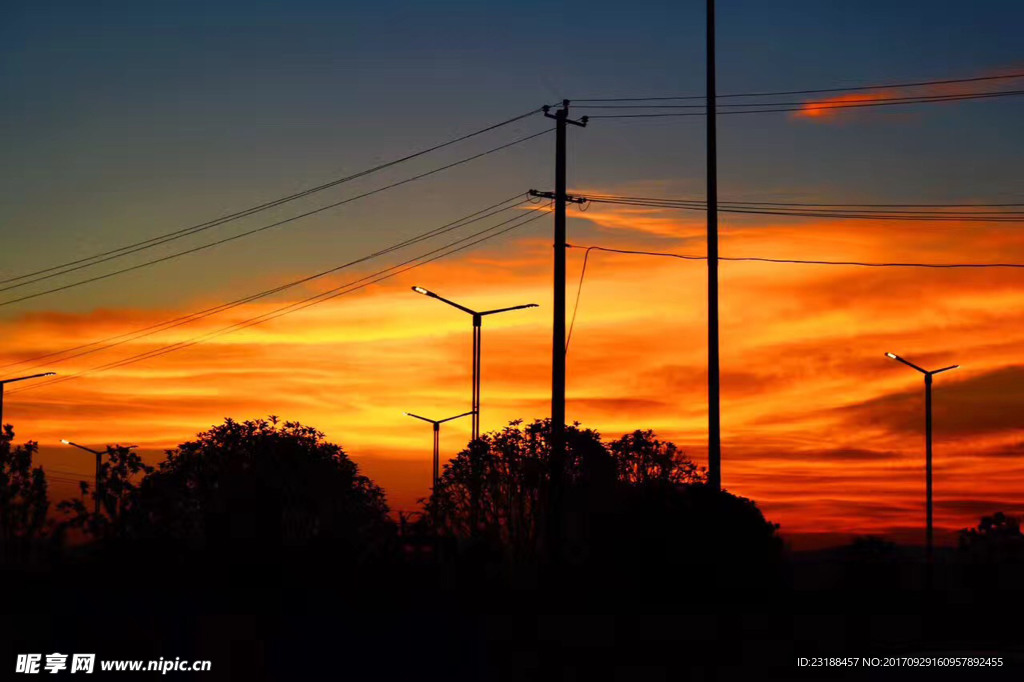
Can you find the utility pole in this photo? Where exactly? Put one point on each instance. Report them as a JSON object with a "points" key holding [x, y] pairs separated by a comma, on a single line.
{"points": [[558, 323], [714, 387]]}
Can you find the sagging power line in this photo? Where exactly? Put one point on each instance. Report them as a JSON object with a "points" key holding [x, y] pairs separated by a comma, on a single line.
{"points": [[757, 259], [117, 340], [247, 233], [837, 211], [187, 231], [347, 288], [851, 88], [818, 107]]}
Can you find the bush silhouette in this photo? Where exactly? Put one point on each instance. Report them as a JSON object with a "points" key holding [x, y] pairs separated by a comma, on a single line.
{"points": [[635, 503], [24, 500], [264, 486], [118, 495]]}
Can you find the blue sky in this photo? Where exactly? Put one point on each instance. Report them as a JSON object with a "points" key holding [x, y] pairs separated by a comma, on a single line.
{"points": [[126, 119]]}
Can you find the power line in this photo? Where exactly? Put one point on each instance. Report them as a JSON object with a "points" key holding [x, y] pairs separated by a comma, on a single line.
{"points": [[112, 341], [804, 261], [66, 480], [183, 232], [817, 106], [847, 208], [342, 290], [787, 261], [815, 205], [922, 216], [263, 228], [67, 472], [579, 290], [822, 104], [810, 92]]}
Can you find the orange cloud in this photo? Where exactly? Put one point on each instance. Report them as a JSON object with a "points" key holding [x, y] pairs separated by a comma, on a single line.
{"points": [[839, 107], [818, 426]]}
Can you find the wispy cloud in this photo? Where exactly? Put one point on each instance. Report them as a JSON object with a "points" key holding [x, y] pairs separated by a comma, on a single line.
{"points": [[847, 106]]}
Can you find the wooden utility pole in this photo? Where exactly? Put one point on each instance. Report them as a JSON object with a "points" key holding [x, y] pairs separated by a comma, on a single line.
{"points": [[558, 323]]}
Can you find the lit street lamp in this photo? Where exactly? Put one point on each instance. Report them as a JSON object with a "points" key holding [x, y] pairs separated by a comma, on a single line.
{"points": [[477, 321], [437, 438], [928, 445], [99, 457], [11, 381]]}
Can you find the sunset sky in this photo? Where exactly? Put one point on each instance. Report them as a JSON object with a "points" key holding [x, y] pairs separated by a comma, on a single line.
{"points": [[125, 121]]}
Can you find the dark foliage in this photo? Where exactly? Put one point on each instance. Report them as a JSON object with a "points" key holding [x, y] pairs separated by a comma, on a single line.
{"points": [[641, 458], [24, 501], [263, 486], [635, 503], [996, 539], [118, 495], [494, 489]]}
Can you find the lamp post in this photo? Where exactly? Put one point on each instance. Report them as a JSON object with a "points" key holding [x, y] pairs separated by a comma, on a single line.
{"points": [[437, 439], [99, 458], [928, 374], [477, 323], [11, 381]]}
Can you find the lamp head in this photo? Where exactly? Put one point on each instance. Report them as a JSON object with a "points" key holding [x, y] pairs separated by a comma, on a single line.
{"points": [[421, 290], [891, 355], [66, 442]]}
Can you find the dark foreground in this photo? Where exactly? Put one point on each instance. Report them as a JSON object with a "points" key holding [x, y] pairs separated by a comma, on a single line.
{"points": [[419, 620]]}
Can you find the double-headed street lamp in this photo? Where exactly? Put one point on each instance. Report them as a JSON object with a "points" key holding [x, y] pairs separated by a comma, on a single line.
{"points": [[437, 439], [99, 462], [477, 322], [11, 381], [928, 444]]}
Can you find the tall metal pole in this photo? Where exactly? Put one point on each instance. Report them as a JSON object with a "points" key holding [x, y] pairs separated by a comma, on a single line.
{"points": [[929, 527], [714, 388], [929, 533], [477, 339], [437, 453], [11, 381], [96, 488]]}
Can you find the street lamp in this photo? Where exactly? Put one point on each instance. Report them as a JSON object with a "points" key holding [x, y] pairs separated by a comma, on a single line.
{"points": [[437, 438], [928, 446], [11, 381], [99, 456], [477, 321]]}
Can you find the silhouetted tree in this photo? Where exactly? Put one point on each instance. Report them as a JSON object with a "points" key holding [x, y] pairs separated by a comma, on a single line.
{"points": [[263, 485], [991, 555], [118, 495], [870, 563], [24, 501], [693, 532], [996, 539], [641, 458], [495, 489]]}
